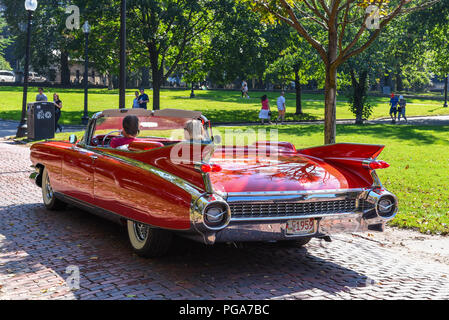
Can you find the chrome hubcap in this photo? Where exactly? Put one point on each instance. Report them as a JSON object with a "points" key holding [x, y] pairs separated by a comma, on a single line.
{"points": [[141, 231], [48, 189]]}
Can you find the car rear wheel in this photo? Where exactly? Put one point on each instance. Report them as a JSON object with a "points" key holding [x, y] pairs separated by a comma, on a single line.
{"points": [[148, 242], [295, 243], [48, 196]]}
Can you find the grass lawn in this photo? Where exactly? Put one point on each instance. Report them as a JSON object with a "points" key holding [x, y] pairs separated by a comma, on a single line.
{"points": [[419, 172], [218, 106]]}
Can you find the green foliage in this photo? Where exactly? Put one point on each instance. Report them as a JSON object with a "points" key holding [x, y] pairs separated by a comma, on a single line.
{"points": [[366, 107], [243, 46], [298, 62]]}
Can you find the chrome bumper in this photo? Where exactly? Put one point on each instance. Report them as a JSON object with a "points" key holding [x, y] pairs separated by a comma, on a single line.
{"points": [[273, 228], [275, 231]]}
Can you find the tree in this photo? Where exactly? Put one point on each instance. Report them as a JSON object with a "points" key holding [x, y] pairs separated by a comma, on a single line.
{"points": [[194, 66], [4, 42], [50, 42], [166, 30], [243, 46], [333, 17], [104, 18], [296, 64]]}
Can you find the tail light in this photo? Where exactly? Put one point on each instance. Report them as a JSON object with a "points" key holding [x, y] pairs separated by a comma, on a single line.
{"points": [[378, 164], [210, 168]]}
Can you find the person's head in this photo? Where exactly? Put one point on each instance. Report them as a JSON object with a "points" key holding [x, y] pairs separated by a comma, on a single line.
{"points": [[193, 130], [142, 91], [264, 97], [130, 126], [282, 93], [136, 93], [56, 97], [401, 98], [41, 90], [392, 95]]}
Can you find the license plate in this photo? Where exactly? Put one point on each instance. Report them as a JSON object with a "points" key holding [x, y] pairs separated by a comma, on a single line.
{"points": [[301, 226]]}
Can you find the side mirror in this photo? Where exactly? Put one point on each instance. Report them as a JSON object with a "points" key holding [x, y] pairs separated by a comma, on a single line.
{"points": [[73, 139], [216, 139]]}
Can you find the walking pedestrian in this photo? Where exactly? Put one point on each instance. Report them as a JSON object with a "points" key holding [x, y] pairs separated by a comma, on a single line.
{"points": [[143, 99], [245, 89], [41, 95], [281, 108], [265, 111], [58, 107], [401, 109], [136, 100], [393, 107]]}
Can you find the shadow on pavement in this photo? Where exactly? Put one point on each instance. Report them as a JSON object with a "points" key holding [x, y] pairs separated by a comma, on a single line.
{"points": [[40, 242]]}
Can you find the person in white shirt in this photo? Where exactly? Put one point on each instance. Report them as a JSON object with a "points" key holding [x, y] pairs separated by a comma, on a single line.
{"points": [[281, 107], [245, 89], [41, 95]]}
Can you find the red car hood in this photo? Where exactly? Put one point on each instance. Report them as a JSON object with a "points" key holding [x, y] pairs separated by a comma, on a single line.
{"points": [[292, 172]]}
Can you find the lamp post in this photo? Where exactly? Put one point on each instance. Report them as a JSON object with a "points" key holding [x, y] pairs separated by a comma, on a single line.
{"points": [[86, 30], [30, 6]]}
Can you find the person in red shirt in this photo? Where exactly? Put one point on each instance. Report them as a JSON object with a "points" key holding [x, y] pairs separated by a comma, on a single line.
{"points": [[265, 111], [129, 132]]}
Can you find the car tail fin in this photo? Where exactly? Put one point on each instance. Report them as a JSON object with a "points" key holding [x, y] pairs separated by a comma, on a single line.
{"points": [[344, 151]]}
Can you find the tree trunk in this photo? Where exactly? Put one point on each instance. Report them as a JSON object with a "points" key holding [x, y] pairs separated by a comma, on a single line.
{"points": [[445, 91], [399, 84], [298, 94], [157, 75], [330, 87], [192, 93], [65, 71], [156, 90], [359, 91], [330, 100], [145, 77], [110, 82]]}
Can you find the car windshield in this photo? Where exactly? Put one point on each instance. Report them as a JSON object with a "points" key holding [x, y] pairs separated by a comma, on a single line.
{"points": [[165, 128]]}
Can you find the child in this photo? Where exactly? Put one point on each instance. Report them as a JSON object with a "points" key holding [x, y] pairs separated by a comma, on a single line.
{"points": [[401, 109], [265, 111]]}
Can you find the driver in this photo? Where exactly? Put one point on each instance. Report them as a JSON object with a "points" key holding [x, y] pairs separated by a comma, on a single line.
{"points": [[129, 132]]}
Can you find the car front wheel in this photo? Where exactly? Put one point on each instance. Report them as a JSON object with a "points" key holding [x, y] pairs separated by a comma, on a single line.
{"points": [[148, 242], [48, 195]]}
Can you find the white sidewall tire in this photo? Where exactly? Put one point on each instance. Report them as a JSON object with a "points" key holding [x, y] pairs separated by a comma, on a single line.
{"points": [[48, 201], [135, 242], [48, 195], [156, 242]]}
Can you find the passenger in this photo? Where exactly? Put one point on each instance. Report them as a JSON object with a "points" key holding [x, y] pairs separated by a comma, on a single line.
{"points": [[194, 130], [129, 132]]}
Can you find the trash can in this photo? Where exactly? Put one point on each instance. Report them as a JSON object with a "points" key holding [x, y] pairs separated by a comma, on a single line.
{"points": [[41, 120]]}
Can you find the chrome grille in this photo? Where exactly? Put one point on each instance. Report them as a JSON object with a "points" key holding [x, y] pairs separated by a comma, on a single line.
{"points": [[279, 209]]}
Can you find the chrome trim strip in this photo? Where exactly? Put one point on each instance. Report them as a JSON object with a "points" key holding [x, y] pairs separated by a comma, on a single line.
{"points": [[179, 182], [285, 218], [287, 193]]}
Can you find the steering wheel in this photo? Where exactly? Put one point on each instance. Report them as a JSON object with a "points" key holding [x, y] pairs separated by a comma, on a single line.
{"points": [[108, 134]]}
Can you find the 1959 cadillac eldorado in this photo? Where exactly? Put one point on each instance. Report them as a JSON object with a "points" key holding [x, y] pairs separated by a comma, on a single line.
{"points": [[163, 183]]}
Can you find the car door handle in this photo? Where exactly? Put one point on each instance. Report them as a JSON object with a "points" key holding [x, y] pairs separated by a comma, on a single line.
{"points": [[93, 157]]}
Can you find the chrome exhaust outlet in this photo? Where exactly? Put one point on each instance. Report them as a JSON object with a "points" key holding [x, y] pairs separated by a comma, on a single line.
{"points": [[384, 206]]}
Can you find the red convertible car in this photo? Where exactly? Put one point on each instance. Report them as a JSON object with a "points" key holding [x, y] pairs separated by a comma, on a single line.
{"points": [[166, 182]]}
